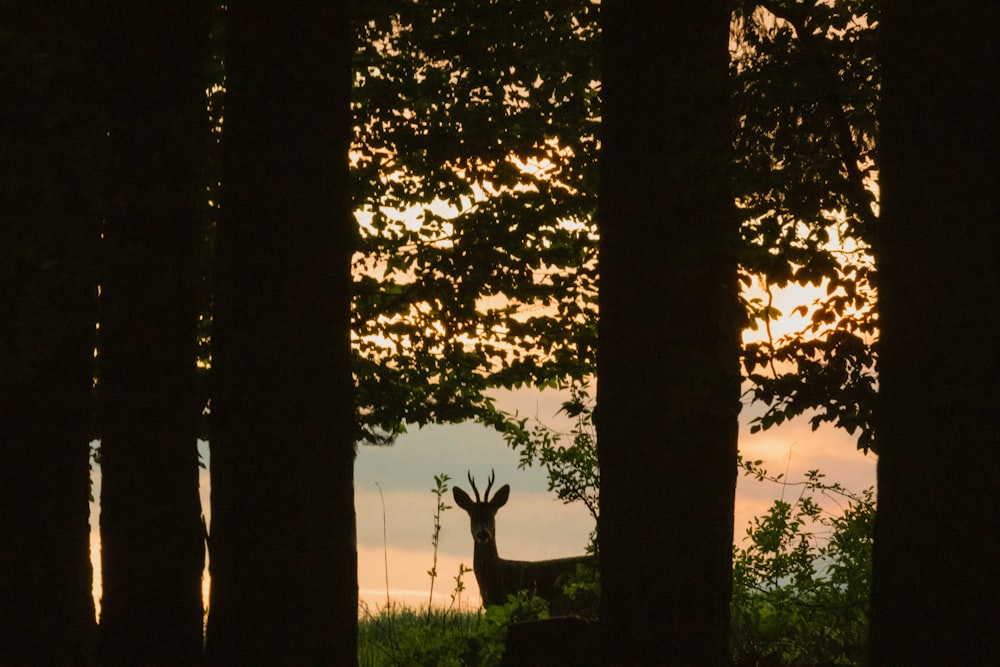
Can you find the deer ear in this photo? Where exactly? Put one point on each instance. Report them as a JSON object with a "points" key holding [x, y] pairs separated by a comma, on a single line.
{"points": [[499, 498], [462, 499]]}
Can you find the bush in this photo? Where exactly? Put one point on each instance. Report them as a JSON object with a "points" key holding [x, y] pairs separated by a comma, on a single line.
{"points": [[801, 578], [800, 585]]}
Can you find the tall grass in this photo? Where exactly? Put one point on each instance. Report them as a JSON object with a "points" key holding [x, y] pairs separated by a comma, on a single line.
{"points": [[400, 635]]}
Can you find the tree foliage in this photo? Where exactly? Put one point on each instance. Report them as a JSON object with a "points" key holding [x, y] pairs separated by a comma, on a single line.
{"points": [[806, 88], [476, 134], [474, 174]]}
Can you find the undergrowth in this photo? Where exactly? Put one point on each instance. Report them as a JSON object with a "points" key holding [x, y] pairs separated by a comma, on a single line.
{"points": [[404, 636], [801, 577]]}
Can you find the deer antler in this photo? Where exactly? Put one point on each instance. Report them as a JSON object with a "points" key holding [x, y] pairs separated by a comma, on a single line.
{"points": [[489, 485], [473, 483]]}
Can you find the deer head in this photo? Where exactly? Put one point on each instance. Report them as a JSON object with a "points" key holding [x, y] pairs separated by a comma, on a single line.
{"points": [[482, 513], [499, 578]]}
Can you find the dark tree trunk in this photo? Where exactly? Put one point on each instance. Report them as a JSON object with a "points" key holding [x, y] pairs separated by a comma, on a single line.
{"points": [[669, 332], [283, 555], [154, 60], [935, 581], [48, 232]]}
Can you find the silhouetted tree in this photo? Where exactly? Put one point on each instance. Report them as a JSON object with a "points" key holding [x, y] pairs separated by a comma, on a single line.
{"points": [[491, 108], [153, 61], [805, 81], [669, 334], [48, 233], [283, 554], [935, 578]]}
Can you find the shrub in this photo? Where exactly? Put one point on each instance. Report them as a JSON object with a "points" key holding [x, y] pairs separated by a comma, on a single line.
{"points": [[800, 583]]}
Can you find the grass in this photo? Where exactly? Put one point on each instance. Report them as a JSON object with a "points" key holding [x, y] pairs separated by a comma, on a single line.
{"points": [[401, 635]]}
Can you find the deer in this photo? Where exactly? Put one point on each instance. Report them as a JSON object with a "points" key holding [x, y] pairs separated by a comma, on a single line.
{"points": [[498, 577]]}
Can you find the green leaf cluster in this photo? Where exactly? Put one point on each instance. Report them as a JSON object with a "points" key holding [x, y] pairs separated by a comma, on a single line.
{"points": [[569, 459], [802, 576]]}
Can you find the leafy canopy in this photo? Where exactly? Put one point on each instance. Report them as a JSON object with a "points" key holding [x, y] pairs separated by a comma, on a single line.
{"points": [[475, 176], [475, 172]]}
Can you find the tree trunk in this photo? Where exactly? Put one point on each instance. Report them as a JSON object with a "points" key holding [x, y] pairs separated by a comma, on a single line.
{"points": [[935, 577], [152, 546], [669, 332], [283, 554], [48, 232]]}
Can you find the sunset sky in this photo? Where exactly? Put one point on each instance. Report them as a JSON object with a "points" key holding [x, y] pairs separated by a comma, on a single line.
{"points": [[533, 525]]}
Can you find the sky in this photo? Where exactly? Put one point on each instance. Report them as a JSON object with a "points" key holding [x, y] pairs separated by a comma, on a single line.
{"points": [[534, 525], [395, 503]]}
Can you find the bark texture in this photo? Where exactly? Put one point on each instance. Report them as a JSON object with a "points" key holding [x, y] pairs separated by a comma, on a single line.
{"points": [[283, 552], [668, 361], [935, 578], [48, 233], [153, 58]]}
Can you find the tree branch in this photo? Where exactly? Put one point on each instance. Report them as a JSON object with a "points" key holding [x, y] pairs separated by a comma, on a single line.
{"points": [[828, 84]]}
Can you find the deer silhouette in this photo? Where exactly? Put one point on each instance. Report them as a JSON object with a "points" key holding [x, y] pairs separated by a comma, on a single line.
{"points": [[498, 577]]}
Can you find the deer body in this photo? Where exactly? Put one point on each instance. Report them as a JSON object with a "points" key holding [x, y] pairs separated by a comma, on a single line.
{"points": [[498, 577]]}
